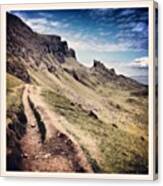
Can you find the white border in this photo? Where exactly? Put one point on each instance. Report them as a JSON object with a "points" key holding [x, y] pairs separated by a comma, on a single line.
{"points": [[4, 8]]}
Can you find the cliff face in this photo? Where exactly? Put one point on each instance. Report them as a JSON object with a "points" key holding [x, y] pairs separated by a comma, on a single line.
{"points": [[27, 48]]}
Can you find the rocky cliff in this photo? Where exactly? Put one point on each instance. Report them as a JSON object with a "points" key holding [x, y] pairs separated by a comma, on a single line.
{"points": [[104, 75], [27, 48]]}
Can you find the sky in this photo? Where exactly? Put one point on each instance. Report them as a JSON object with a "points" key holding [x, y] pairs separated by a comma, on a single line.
{"points": [[116, 37]]}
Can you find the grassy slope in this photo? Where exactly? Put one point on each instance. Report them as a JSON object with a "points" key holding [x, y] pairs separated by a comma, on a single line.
{"points": [[14, 96], [115, 141]]}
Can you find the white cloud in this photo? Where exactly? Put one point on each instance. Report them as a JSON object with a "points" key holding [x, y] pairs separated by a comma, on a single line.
{"points": [[139, 27], [104, 33], [43, 25], [97, 46], [142, 62], [76, 40], [42, 14]]}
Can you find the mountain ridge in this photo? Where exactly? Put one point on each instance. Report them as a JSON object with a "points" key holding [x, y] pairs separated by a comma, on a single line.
{"points": [[40, 51]]}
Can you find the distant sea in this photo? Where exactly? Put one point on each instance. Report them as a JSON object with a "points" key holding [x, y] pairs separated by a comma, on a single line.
{"points": [[141, 79]]}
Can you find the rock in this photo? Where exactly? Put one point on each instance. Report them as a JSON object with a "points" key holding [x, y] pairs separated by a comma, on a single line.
{"points": [[93, 114], [71, 53], [36, 157], [61, 135], [124, 153], [98, 64], [33, 125], [105, 75], [114, 125], [142, 138], [118, 106], [25, 155], [69, 142], [72, 104], [47, 155], [112, 71]]}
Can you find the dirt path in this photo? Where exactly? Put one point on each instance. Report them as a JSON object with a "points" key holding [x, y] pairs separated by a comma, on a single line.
{"points": [[57, 151]]}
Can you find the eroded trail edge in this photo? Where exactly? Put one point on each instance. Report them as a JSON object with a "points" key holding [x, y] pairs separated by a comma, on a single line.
{"points": [[45, 148]]}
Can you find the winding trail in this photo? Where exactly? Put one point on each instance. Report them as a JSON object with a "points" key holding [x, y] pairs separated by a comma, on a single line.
{"points": [[58, 152]]}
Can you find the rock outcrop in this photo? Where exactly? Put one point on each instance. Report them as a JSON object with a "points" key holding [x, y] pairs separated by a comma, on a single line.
{"points": [[100, 67], [105, 75]]}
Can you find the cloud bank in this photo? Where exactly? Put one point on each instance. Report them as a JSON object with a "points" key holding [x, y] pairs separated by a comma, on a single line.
{"points": [[142, 62]]}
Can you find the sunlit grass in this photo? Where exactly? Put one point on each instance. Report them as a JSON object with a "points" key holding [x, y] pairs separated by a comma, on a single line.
{"points": [[14, 96], [121, 152]]}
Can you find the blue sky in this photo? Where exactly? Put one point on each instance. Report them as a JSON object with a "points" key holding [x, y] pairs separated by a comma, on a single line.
{"points": [[117, 37]]}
